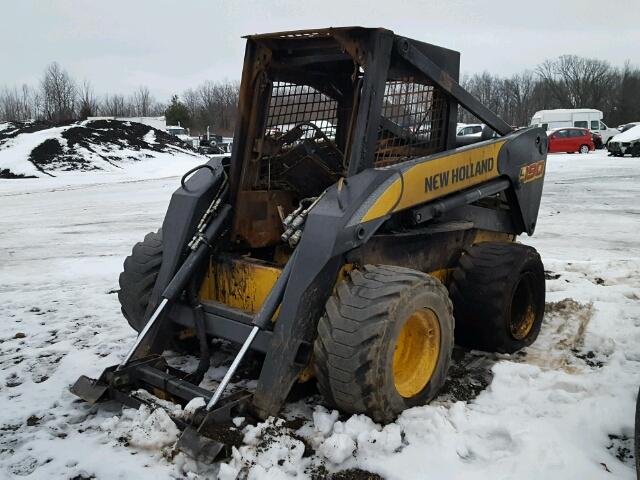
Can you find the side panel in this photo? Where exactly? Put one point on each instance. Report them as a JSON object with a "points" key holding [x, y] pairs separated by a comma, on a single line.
{"points": [[432, 179], [436, 176], [432, 252], [183, 214], [523, 159]]}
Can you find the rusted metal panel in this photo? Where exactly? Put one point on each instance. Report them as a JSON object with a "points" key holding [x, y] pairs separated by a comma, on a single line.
{"points": [[239, 283], [256, 222]]}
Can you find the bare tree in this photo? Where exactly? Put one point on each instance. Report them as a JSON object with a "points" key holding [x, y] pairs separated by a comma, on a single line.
{"points": [[17, 104], [217, 104], [489, 89], [519, 98], [192, 101], [87, 102], [157, 109], [577, 82], [9, 110], [59, 94], [116, 106], [142, 101], [626, 103], [26, 104]]}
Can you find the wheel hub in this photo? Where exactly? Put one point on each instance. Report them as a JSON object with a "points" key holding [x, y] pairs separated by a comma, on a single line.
{"points": [[416, 353], [523, 314]]}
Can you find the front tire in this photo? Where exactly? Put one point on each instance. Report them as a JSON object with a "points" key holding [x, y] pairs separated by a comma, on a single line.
{"points": [[385, 341], [584, 149], [498, 293]]}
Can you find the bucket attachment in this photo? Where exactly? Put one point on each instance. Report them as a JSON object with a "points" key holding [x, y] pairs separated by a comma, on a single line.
{"points": [[205, 437], [89, 389], [198, 447]]}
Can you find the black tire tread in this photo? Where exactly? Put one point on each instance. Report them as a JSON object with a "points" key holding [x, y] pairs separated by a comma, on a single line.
{"points": [[478, 284], [139, 277], [349, 331]]}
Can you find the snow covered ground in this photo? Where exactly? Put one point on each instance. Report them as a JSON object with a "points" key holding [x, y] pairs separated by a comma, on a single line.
{"points": [[561, 409]]}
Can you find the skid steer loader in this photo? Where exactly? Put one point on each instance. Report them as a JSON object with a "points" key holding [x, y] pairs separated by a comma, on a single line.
{"points": [[345, 241]]}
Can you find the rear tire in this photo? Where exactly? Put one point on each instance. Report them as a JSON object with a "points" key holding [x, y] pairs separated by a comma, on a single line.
{"points": [[584, 149], [498, 293], [139, 277], [385, 341]]}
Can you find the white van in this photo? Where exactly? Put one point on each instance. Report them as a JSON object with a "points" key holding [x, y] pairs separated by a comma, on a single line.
{"points": [[574, 117]]}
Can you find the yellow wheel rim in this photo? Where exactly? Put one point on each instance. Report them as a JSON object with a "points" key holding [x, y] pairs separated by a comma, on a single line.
{"points": [[416, 354], [523, 314], [521, 328]]}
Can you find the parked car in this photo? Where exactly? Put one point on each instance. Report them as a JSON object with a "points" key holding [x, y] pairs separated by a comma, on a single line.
{"points": [[627, 142], [473, 133], [623, 128], [470, 129], [574, 117], [570, 140]]}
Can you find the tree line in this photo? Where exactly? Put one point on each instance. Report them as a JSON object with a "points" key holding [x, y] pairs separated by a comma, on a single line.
{"points": [[59, 98], [212, 104], [568, 81]]}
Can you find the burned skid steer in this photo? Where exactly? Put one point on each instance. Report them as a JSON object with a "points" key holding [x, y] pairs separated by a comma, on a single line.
{"points": [[345, 240]]}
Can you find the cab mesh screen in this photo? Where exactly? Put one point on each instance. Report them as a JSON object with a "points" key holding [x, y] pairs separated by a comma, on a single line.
{"points": [[412, 124], [293, 105]]}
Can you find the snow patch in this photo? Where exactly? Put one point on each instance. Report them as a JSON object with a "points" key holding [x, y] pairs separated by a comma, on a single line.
{"points": [[150, 137], [191, 407], [337, 448], [323, 421], [142, 428], [269, 452]]}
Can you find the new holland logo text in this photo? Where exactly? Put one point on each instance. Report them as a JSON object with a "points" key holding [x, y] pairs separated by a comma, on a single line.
{"points": [[458, 174]]}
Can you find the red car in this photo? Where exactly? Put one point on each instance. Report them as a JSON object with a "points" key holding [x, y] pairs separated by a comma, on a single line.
{"points": [[570, 140]]}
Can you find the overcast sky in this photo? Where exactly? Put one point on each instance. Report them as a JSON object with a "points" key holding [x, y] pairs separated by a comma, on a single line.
{"points": [[173, 45]]}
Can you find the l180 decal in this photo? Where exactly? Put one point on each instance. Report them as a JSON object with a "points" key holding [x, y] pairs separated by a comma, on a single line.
{"points": [[531, 172]]}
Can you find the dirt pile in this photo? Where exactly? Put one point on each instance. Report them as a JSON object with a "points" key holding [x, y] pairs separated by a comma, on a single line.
{"points": [[83, 146], [13, 129]]}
